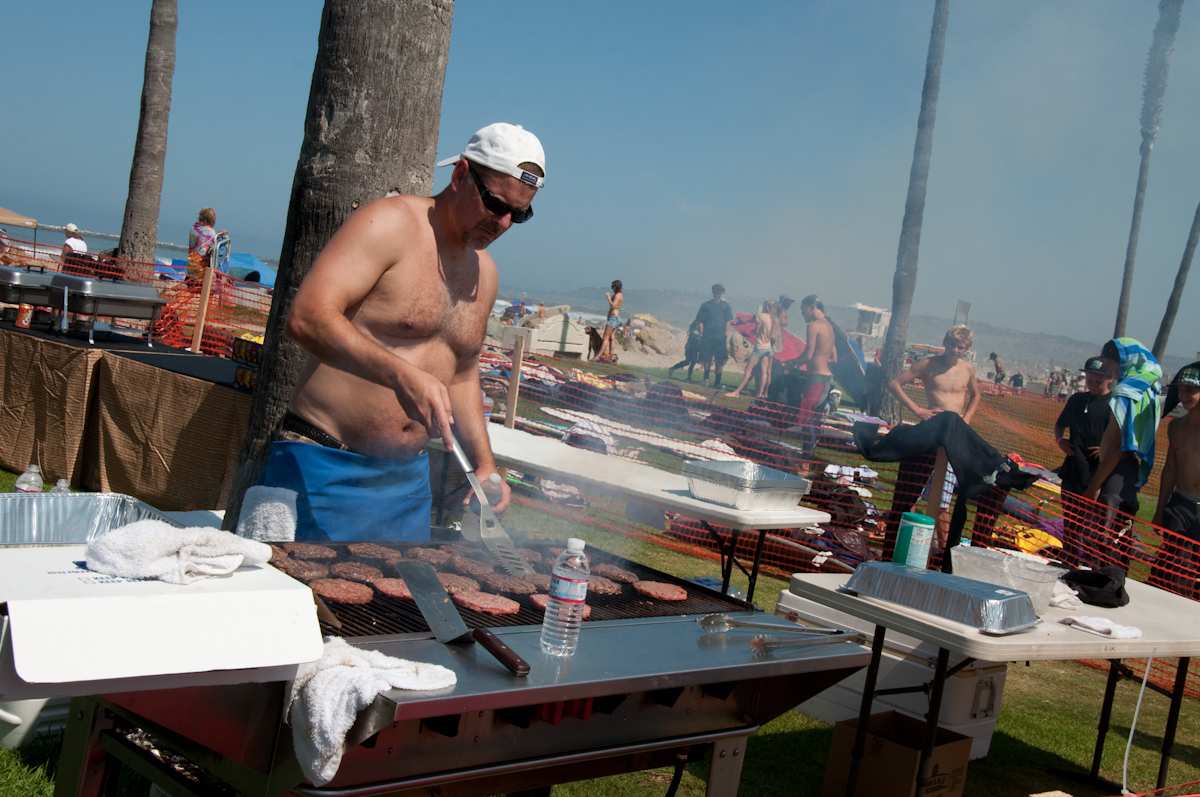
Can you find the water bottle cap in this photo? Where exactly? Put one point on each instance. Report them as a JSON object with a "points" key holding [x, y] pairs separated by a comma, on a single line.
{"points": [[35, 469], [575, 545]]}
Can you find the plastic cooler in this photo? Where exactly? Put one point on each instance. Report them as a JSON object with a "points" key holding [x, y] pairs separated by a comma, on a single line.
{"points": [[971, 700]]}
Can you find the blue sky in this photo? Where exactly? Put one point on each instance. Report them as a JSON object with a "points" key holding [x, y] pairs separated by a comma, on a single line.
{"points": [[766, 145]]}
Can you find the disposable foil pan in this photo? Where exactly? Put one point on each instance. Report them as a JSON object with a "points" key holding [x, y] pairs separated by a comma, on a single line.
{"points": [[990, 608], [65, 519], [744, 485]]}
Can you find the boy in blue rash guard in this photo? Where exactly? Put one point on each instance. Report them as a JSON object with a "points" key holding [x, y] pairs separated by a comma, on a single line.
{"points": [[393, 314]]}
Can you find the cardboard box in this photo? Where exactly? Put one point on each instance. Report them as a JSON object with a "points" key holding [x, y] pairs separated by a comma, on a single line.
{"points": [[891, 757]]}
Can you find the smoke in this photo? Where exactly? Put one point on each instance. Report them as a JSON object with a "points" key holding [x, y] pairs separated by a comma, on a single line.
{"points": [[1154, 86]]}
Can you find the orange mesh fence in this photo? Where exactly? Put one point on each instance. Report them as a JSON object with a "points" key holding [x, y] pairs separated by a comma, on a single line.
{"points": [[665, 422], [235, 308]]}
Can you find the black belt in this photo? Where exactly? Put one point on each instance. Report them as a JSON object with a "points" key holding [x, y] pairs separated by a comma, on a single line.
{"points": [[294, 423]]}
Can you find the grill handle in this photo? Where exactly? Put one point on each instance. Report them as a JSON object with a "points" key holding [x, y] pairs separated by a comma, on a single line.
{"points": [[503, 653]]}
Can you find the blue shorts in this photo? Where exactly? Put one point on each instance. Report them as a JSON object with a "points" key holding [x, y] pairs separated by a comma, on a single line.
{"points": [[613, 321], [343, 496]]}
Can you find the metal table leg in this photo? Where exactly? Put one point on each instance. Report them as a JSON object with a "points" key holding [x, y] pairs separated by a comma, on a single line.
{"points": [[1168, 743], [1110, 690], [725, 768], [864, 711], [932, 718], [82, 763], [758, 552]]}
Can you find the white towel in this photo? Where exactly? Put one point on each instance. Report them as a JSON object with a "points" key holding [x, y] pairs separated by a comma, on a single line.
{"points": [[268, 514], [328, 694], [153, 549], [1064, 597], [1102, 626]]}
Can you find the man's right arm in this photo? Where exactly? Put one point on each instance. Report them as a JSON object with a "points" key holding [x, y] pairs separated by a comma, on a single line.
{"points": [[897, 387], [346, 270]]}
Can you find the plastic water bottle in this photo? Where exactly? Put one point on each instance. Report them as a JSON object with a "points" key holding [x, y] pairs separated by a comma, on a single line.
{"points": [[62, 487], [568, 596], [30, 481]]}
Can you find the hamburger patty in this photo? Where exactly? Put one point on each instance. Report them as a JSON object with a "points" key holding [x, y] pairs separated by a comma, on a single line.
{"points": [[542, 601], [599, 585], [302, 570], [615, 573], [356, 571], [432, 556], [339, 590], [501, 582], [453, 583], [659, 591], [309, 550], [486, 603], [393, 588], [373, 550], [470, 567]]}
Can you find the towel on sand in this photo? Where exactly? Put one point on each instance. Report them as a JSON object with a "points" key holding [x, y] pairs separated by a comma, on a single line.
{"points": [[328, 694], [154, 549]]}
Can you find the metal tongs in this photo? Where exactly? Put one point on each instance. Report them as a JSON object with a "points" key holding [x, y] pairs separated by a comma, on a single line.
{"points": [[489, 531], [719, 623], [762, 645]]}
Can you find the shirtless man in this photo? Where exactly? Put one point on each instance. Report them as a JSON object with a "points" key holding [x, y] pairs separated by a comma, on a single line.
{"points": [[948, 379], [1179, 494], [820, 351], [949, 382], [393, 314]]}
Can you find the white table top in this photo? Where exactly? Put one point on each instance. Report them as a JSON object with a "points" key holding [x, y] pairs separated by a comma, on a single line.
{"points": [[1170, 625], [614, 475]]}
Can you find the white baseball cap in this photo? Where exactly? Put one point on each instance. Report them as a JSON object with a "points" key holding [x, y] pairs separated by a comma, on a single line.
{"points": [[71, 228], [503, 147]]}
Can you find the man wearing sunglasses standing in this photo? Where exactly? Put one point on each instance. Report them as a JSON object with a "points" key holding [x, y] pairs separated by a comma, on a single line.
{"points": [[393, 315]]}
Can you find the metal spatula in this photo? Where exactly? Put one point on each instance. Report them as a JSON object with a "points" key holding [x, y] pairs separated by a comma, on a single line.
{"points": [[488, 530]]}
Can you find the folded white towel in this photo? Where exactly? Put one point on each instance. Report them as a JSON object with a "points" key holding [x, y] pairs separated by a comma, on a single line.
{"points": [[268, 514], [328, 694], [1102, 626], [1064, 597], [153, 549]]}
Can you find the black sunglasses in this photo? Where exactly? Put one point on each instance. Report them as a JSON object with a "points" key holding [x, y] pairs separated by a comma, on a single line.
{"points": [[497, 206]]}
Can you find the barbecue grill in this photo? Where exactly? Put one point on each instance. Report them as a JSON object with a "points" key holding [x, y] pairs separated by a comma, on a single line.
{"points": [[648, 687]]}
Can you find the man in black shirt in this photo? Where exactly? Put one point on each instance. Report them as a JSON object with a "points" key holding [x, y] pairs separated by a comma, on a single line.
{"points": [[714, 317], [1085, 417]]}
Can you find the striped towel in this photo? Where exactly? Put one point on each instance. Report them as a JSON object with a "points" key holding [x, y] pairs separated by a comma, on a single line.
{"points": [[1136, 402]]}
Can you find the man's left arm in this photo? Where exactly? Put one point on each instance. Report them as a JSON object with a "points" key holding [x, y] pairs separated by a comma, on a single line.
{"points": [[466, 404], [973, 398]]}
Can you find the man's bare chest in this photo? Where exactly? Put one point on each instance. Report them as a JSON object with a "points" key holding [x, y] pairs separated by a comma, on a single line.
{"points": [[403, 309]]}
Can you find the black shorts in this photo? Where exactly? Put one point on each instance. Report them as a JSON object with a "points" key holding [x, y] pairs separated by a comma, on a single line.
{"points": [[1182, 516], [715, 349]]}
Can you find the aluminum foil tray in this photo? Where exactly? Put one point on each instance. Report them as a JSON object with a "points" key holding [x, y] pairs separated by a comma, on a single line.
{"points": [[744, 485], [68, 519], [990, 608]]}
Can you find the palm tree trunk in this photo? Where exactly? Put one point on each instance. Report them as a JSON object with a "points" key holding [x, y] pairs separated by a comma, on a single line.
{"points": [[372, 126], [1154, 88], [1185, 265], [904, 282], [139, 229]]}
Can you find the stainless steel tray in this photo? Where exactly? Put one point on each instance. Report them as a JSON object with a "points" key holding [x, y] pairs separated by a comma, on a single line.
{"points": [[744, 485], [22, 286], [65, 519], [24, 278], [92, 287], [990, 608]]}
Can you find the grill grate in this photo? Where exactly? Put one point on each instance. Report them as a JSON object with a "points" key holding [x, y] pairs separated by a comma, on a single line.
{"points": [[385, 615]]}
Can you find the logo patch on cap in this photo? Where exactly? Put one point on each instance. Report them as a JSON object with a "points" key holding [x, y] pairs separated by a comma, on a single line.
{"points": [[530, 178], [1189, 376]]}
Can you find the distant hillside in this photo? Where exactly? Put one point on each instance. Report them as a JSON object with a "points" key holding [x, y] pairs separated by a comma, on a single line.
{"points": [[1028, 352]]}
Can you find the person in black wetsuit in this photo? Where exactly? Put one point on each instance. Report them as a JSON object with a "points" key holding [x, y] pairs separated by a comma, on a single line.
{"points": [[1078, 432]]}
